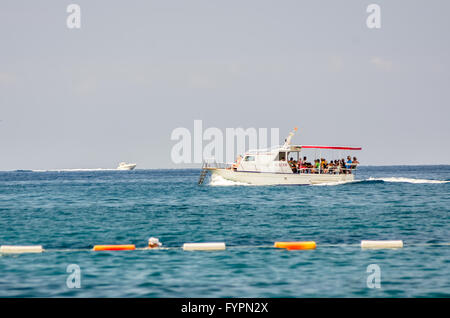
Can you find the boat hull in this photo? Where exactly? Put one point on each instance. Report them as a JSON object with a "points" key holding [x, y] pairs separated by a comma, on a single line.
{"points": [[268, 178], [127, 167]]}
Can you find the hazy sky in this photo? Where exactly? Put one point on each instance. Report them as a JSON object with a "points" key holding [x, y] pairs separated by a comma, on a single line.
{"points": [[115, 89]]}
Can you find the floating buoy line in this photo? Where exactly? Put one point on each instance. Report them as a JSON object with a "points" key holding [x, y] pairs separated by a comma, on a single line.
{"points": [[154, 244]]}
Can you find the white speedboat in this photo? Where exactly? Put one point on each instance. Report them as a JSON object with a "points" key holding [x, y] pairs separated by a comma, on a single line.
{"points": [[272, 167], [126, 166]]}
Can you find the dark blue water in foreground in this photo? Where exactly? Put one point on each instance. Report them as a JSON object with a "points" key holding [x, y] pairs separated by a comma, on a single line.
{"points": [[69, 212]]}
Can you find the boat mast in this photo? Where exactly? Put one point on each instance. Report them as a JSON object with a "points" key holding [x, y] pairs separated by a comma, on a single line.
{"points": [[287, 142]]}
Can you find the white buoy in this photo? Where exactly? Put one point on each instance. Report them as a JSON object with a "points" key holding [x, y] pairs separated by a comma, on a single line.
{"points": [[203, 246], [17, 249], [381, 244]]}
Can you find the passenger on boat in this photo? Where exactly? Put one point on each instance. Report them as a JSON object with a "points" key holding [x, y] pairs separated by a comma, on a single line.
{"points": [[311, 168], [337, 167], [300, 167], [324, 165], [355, 163], [316, 166], [303, 165], [293, 165], [330, 169], [237, 163], [348, 165], [342, 166]]}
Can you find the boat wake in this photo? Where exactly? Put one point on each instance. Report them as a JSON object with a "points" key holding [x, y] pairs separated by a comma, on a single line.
{"points": [[217, 180], [73, 170], [407, 180], [389, 179], [338, 183]]}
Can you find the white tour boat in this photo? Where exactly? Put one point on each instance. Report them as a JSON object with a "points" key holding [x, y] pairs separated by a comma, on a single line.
{"points": [[272, 167], [126, 166]]}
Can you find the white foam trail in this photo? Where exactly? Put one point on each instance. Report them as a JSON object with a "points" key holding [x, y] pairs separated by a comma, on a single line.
{"points": [[73, 170], [407, 180], [390, 179], [337, 183], [217, 180]]}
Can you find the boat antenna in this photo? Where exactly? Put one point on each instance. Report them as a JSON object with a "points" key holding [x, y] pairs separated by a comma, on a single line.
{"points": [[287, 142]]}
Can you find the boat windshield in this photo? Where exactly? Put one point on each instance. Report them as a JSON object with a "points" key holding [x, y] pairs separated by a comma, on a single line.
{"points": [[281, 156]]}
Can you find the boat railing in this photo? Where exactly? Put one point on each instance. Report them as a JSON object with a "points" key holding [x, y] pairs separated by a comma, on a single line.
{"points": [[332, 170], [213, 164]]}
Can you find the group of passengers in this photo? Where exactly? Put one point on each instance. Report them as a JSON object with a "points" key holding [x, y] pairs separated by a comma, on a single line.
{"points": [[341, 166]]}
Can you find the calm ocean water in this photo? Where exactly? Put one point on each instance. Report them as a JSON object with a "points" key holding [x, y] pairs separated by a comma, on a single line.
{"points": [[69, 212]]}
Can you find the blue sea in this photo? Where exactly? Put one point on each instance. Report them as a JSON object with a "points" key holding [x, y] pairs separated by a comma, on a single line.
{"points": [[68, 212]]}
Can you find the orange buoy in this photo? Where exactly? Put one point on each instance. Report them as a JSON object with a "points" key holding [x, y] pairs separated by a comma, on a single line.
{"points": [[310, 245], [114, 247]]}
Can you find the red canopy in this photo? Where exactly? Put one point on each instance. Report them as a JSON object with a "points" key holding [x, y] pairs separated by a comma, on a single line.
{"points": [[332, 147]]}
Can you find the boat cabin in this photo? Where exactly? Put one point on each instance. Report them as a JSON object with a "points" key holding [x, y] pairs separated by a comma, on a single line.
{"points": [[277, 160]]}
